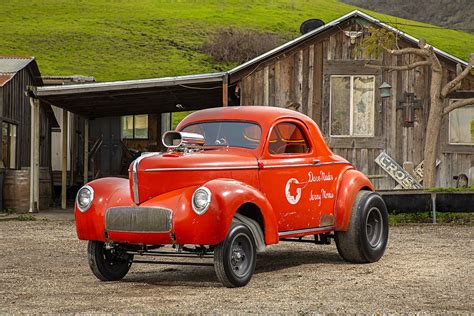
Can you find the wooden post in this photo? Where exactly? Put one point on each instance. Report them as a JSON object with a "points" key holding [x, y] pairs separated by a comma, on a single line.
{"points": [[64, 159], [32, 161], [225, 90], [34, 155], [37, 152], [86, 150]]}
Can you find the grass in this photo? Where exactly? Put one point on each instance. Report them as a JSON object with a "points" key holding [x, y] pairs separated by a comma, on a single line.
{"points": [[121, 39], [426, 217]]}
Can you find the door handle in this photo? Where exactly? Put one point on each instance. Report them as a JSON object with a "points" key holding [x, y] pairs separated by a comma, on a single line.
{"points": [[316, 161]]}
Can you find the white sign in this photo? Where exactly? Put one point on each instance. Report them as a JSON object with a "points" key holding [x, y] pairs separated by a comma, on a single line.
{"points": [[397, 172]]}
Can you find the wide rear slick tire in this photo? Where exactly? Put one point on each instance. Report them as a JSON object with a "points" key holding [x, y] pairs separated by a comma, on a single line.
{"points": [[236, 256], [367, 236], [107, 265]]}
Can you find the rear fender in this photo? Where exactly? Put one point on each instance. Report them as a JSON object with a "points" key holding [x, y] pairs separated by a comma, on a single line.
{"points": [[351, 182]]}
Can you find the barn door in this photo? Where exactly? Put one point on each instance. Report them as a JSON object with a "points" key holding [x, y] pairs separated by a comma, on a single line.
{"points": [[108, 158]]}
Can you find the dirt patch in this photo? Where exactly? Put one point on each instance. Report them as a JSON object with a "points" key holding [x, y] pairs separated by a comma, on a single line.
{"points": [[43, 268]]}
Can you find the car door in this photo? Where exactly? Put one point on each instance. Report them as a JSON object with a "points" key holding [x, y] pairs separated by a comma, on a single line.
{"points": [[284, 167]]}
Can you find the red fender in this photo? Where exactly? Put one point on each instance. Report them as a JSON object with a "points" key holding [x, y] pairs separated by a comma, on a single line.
{"points": [[108, 192], [351, 182], [231, 194]]}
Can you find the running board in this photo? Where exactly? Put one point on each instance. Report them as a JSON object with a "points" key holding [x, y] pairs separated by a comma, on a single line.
{"points": [[307, 231]]}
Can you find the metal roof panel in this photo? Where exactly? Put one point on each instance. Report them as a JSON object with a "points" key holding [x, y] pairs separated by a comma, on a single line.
{"points": [[13, 64], [356, 13]]}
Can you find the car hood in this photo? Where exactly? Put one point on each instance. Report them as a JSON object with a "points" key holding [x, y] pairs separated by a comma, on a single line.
{"points": [[157, 173]]}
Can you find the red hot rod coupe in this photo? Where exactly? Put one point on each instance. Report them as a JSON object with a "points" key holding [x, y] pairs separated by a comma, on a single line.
{"points": [[232, 181]]}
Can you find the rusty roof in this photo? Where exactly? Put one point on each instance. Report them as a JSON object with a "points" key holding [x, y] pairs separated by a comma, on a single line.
{"points": [[4, 78], [10, 65]]}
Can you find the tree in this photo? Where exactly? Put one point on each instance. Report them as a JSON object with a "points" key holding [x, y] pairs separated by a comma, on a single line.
{"points": [[383, 40]]}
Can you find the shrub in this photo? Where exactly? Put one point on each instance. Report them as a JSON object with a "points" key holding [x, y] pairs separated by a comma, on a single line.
{"points": [[240, 45]]}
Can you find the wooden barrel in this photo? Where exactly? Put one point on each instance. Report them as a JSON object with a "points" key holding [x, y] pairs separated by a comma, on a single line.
{"points": [[16, 189]]}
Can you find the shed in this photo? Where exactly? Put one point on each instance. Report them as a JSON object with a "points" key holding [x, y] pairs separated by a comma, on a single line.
{"points": [[16, 73]]}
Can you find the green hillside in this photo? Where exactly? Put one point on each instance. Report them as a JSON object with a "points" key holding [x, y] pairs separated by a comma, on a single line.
{"points": [[124, 39]]}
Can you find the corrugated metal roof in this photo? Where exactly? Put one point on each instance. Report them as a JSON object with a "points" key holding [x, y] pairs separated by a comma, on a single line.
{"points": [[4, 79], [356, 13], [13, 64]]}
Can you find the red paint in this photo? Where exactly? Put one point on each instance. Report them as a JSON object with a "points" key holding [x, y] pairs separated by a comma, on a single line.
{"points": [[309, 188]]}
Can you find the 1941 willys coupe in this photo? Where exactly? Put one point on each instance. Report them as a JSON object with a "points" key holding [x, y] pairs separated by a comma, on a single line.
{"points": [[232, 181]]}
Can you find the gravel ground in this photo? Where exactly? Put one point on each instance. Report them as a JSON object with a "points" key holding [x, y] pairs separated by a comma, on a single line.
{"points": [[43, 268]]}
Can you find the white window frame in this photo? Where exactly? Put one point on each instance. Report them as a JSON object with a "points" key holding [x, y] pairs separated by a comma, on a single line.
{"points": [[449, 126], [133, 128], [351, 106]]}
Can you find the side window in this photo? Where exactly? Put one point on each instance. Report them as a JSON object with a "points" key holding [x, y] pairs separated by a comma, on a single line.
{"points": [[287, 138], [461, 125]]}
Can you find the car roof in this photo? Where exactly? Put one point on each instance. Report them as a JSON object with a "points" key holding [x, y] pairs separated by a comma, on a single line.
{"points": [[264, 115]]}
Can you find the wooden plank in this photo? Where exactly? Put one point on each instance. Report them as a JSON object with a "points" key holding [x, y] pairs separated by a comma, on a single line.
{"points": [[86, 151], [36, 151], [64, 147], [271, 80], [310, 86], [266, 85], [356, 142], [318, 83], [225, 90], [298, 84], [304, 83], [278, 74]]}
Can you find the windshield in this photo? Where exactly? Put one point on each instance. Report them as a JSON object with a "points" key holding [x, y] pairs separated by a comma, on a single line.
{"points": [[227, 133]]}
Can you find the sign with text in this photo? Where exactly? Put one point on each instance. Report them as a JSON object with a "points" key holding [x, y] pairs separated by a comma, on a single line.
{"points": [[397, 172]]}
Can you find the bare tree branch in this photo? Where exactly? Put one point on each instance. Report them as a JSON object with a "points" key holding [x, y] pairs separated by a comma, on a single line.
{"points": [[397, 68], [457, 104], [409, 50], [454, 84]]}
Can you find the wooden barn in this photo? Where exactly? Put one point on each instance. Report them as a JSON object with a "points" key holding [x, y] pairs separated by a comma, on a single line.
{"points": [[16, 74], [323, 74]]}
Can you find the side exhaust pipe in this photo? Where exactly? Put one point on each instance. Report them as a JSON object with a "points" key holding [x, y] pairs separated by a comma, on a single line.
{"points": [[173, 139]]}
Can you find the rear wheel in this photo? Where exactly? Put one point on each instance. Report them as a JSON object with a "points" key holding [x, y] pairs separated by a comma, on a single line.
{"points": [[108, 264], [235, 257], [367, 235]]}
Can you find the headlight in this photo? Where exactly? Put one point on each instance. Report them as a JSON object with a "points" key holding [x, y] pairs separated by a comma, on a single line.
{"points": [[201, 200], [84, 198]]}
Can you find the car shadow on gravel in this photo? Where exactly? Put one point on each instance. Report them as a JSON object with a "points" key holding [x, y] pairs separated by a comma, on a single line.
{"points": [[280, 260], [270, 261]]}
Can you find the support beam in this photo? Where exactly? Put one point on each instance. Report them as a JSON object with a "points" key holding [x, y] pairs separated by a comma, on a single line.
{"points": [[33, 206], [225, 90], [34, 155], [37, 153], [64, 150], [86, 150]]}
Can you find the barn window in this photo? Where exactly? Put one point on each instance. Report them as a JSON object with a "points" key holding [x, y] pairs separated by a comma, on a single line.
{"points": [[9, 139], [352, 105], [461, 125], [135, 126]]}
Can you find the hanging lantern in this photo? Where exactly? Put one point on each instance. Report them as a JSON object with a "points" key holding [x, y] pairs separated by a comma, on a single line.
{"points": [[385, 90]]}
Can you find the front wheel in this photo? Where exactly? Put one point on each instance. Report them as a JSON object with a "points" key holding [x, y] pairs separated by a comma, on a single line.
{"points": [[367, 236], [236, 256], [107, 264]]}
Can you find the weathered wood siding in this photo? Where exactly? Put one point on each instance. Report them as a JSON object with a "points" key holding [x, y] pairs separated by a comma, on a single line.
{"points": [[16, 110], [301, 74]]}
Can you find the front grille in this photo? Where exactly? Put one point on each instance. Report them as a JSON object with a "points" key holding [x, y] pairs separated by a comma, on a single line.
{"points": [[138, 219]]}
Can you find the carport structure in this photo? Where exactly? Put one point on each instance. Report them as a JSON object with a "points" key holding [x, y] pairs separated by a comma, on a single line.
{"points": [[118, 98]]}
